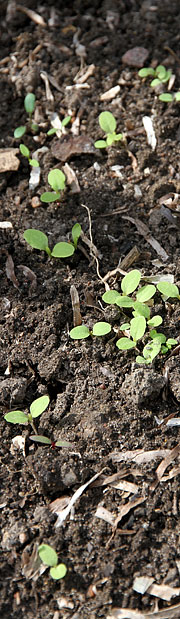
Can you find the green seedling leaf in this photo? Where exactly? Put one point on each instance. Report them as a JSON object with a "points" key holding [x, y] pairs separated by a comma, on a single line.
{"points": [[177, 96], [151, 350], [79, 333], [63, 250], [110, 296], [57, 180], [63, 444], [52, 131], [65, 121], [145, 293], [164, 349], [140, 359], [155, 82], [141, 309], [34, 163], [49, 196], [130, 281], [16, 417], [118, 137], [125, 326], [160, 337], [107, 122], [59, 571], [166, 97], [161, 71], [48, 555], [100, 144], [138, 327], [110, 139], [24, 150], [34, 127], [36, 239], [168, 290], [101, 328], [39, 406], [76, 233], [146, 71], [155, 321], [123, 301], [125, 343], [19, 132], [29, 103], [171, 342], [40, 439]]}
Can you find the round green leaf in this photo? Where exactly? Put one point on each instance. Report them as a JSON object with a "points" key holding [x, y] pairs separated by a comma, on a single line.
{"points": [[145, 293], [171, 342], [151, 350], [58, 572], [140, 359], [34, 163], [48, 555], [177, 96], [24, 150], [36, 239], [155, 321], [118, 137], [29, 103], [130, 281], [39, 406], [49, 196], [145, 72], [159, 337], [16, 417], [107, 122], [62, 250], [161, 71], [110, 139], [79, 333], [76, 233], [125, 343], [166, 97], [63, 444], [56, 179], [100, 144], [110, 296], [137, 328], [123, 301], [19, 132], [168, 290], [40, 439], [125, 326], [101, 328], [155, 82]]}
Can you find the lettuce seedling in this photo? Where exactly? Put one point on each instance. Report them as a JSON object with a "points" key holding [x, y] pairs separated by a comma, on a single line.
{"points": [[56, 180], [38, 240], [160, 74], [49, 557], [168, 290], [158, 345], [44, 440], [29, 104], [36, 409], [76, 233], [26, 153], [108, 125], [168, 97], [61, 123], [82, 332]]}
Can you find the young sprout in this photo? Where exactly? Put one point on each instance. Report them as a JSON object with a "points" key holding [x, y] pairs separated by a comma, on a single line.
{"points": [[38, 240], [36, 409], [160, 75], [167, 97], [108, 125], [44, 440], [76, 233], [82, 332], [56, 180], [60, 124], [168, 290], [49, 557], [29, 104], [26, 153]]}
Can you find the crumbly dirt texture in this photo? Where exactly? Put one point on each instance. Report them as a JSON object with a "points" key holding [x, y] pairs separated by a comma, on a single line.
{"points": [[100, 399]]}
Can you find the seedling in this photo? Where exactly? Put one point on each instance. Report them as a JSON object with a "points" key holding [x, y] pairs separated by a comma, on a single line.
{"points": [[49, 557], [56, 180], [44, 440], [76, 233], [36, 409], [26, 153], [160, 74], [82, 332], [168, 97], [159, 344], [39, 240], [61, 124], [108, 125], [29, 104]]}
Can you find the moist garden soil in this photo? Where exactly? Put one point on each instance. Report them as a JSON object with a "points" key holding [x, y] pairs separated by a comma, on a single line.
{"points": [[100, 399]]}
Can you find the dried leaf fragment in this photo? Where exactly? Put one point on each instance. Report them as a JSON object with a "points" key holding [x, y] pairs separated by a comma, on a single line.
{"points": [[70, 146], [71, 178], [10, 271], [30, 275]]}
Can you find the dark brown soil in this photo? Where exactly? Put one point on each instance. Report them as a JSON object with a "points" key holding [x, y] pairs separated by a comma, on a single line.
{"points": [[100, 399]]}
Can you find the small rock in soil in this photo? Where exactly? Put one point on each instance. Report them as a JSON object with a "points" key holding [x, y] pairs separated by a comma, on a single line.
{"points": [[13, 390], [145, 386]]}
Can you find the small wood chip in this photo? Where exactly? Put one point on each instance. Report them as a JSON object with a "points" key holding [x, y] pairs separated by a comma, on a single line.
{"points": [[8, 159], [110, 94]]}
